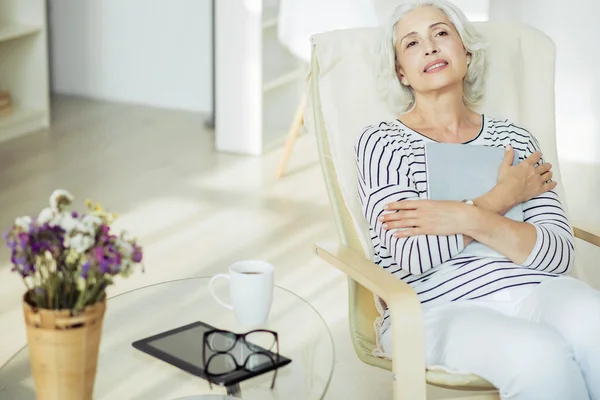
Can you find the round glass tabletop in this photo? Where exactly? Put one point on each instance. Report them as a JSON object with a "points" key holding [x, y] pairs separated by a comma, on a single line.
{"points": [[127, 373]]}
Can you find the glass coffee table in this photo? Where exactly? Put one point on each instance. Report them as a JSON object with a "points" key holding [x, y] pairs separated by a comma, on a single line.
{"points": [[127, 373]]}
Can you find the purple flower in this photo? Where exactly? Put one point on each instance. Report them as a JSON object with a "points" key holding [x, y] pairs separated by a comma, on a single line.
{"points": [[99, 253], [85, 269], [105, 266], [17, 260], [107, 258], [10, 241], [137, 254], [74, 214], [28, 269], [23, 240], [22, 264]]}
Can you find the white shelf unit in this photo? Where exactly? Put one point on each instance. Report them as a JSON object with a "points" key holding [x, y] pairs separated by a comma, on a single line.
{"points": [[24, 66], [259, 83]]}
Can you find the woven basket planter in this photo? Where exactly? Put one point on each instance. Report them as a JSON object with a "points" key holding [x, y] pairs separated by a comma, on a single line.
{"points": [[63, 350]]}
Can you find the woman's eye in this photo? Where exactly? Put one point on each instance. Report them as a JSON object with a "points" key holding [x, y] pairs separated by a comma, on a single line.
{"points": [[411, 44], [442, 33]]}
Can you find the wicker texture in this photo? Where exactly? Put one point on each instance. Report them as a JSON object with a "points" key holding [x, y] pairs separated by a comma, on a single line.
{"points": [[63, 351]]}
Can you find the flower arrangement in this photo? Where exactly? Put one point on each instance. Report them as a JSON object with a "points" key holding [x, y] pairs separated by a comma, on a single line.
{"points": [[67, 259]]}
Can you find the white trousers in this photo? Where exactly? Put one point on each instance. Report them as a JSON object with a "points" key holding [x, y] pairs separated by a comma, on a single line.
{"points": [[537, 342]]}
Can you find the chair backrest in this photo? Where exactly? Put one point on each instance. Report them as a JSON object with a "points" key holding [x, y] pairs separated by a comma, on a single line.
{"points": [[343, 99]]}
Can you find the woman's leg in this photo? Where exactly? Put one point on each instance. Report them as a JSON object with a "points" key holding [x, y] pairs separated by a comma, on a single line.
{"points": [[524, 360], [572, 308]]}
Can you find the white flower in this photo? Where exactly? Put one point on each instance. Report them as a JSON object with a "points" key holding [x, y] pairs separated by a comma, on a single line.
{"points": [[91, 222], [23, 222], [65, 221], [85, 229], [60, 198], [126, 248], [46, 215], [81, 243]]}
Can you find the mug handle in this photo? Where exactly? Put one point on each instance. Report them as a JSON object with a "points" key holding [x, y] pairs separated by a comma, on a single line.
{"points": [[212, 292]]}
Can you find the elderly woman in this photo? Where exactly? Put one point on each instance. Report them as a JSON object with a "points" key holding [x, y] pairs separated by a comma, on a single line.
{"points": [[518, 320]]}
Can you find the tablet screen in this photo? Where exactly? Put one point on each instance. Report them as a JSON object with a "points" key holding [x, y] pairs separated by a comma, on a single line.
{"points": [[183, 348], [187, 346]]}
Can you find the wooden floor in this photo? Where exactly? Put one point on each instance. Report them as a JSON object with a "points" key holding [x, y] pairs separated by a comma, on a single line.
{"points": [[194, 210]]}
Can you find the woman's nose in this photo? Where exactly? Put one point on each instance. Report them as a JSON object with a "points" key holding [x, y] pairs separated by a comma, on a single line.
{"points": [[431, 48]]}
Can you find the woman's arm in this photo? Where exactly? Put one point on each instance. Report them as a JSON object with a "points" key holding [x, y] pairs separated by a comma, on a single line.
{"points": [[544, 241], [383, 162], [513, 239], [516, 184], [498, 201]]}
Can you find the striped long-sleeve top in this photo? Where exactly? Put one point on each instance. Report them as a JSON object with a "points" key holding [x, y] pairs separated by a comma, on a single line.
{"points": [[391, 167]]}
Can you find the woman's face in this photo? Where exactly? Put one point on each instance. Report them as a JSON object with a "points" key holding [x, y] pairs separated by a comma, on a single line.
{"points": [[429, 51]]}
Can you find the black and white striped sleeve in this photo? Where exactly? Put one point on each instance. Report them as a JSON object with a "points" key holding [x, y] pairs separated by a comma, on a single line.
{"points": [[383, 165], [554, 250]]}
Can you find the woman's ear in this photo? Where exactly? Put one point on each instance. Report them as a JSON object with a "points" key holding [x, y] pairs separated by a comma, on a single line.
{"points": [[401, 76]]}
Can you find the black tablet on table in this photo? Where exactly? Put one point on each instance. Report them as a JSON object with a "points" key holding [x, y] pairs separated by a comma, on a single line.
{"points": [[182, 347]]}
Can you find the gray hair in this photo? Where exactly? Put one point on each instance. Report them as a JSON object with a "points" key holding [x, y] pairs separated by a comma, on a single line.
{"points": [[401, 98]]}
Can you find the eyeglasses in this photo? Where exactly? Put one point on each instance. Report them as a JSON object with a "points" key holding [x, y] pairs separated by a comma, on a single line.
{"points": [[259, 343]]}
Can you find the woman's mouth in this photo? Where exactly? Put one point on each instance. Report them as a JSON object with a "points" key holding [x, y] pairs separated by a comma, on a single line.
{"points": [[435, 67]]}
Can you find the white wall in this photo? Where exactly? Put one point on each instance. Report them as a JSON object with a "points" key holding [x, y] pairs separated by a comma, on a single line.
{"points": [[574, 28], [475, 10], [155, 52]]}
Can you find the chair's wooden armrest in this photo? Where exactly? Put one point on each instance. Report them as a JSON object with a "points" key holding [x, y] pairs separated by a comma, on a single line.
{"points": [[369, 275], [408, 354], [587, 236]]}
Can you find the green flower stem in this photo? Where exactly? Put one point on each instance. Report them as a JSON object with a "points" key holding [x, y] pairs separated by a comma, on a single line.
{"points": [[72, 293], [80, 301], [97, 292]]}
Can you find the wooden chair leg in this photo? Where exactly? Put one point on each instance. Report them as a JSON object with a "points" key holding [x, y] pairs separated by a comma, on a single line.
{"points": [[292, 136]]}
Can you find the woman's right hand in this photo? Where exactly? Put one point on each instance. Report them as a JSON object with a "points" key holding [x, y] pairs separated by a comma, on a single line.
{"points": [[525, 180]]}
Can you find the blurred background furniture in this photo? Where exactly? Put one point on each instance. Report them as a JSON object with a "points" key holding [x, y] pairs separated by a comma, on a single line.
{"points": [[23, 67], [258, 80], [298, 21], [343, 99]]}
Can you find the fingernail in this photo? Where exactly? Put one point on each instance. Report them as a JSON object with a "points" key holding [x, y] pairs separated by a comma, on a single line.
{"points": [[508, 147], [386, 207], [381, 218], [384, 226], [396, 234]]}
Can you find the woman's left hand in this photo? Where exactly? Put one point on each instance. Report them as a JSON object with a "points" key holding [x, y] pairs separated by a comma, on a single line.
{"points": [[425, 217]]}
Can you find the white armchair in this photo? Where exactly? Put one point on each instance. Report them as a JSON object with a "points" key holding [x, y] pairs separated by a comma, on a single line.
{"points": [[342, 100]]}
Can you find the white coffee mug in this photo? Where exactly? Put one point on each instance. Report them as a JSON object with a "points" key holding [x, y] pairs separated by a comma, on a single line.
{"points": [[251, 291]]}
